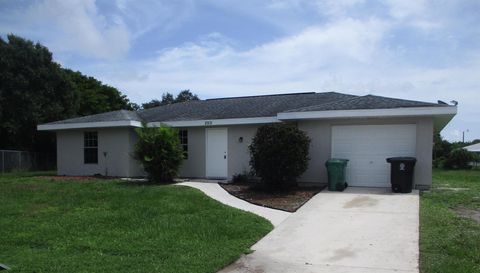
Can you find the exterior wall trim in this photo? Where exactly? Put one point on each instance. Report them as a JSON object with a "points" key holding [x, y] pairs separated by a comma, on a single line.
{"points": [[216, 122], [81, 125], [366, 113]]}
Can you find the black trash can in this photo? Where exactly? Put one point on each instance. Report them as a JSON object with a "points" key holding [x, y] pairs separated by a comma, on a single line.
{"points": [[401, 174]]}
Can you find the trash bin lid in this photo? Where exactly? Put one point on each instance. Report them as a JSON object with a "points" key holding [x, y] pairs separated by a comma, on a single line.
{"points": [[337, 161], [401, 159]]}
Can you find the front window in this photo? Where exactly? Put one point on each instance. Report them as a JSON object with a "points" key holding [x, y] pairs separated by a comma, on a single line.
{"points": [[183, 134], [90, 148]]}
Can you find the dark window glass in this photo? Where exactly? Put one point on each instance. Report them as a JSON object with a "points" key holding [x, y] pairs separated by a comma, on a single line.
{"points": [[90, 148], [183, 134]]}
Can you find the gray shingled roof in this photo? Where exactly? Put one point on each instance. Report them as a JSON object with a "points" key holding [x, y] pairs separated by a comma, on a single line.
{"points": [[253, 106], [366, 102], [108, 116], [240, 107]]}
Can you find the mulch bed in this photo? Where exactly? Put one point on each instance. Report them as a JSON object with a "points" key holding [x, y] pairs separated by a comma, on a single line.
{"points": [[288, 200], [75, 178]]}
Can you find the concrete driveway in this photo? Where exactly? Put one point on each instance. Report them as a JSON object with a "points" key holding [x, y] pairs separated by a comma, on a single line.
{"points": [[359, 230]]}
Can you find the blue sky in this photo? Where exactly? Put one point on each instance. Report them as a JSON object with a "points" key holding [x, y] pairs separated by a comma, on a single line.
{"points": [[421, 50]]}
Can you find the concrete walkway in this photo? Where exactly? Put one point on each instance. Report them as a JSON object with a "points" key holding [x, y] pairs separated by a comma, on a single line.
{"points": [[218, 193], [359, 230]]}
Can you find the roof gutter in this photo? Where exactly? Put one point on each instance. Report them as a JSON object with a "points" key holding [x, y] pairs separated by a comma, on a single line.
{"points": [[370, 113]]}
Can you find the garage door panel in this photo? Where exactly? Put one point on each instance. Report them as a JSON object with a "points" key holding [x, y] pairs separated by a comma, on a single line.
{"points": [[374, 147], [359, 166], [367, 147], [366, 160], [344, 147]]}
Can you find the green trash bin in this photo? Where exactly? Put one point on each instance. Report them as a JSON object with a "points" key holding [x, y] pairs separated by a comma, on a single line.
{"points": [[336, 168]]}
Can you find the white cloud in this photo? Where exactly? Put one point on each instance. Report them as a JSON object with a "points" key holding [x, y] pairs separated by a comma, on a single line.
{"points": [[331, 7], [351, 46], [146, 15], [404, 9], [71, 26], [79, 28], [290, 16], [345, 39], [416, 13], [345, 55], [213, 65], [337, 8]]}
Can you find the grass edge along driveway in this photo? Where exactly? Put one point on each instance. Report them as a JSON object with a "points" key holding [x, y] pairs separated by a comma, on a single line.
{"points": [[113, 226], [448, 241]]}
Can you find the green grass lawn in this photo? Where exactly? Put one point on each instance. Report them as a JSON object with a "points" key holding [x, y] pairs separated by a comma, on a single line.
{"points": [[112, 226], [449, 242]]}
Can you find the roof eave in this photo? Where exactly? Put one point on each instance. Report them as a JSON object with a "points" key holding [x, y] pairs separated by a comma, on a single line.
{"points": [[87, 125]]}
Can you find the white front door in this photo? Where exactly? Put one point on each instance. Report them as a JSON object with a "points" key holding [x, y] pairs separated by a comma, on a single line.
{"points": [[216, 152], [367, 147]]}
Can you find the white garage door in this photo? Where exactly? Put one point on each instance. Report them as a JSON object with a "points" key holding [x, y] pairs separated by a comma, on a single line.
{"points": [[367, 147]]}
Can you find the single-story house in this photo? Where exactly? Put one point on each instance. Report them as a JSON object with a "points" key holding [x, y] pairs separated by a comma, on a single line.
{"points": [[215, 134]]}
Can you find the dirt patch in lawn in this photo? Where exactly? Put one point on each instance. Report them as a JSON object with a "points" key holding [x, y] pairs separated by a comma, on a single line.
{"points": [[473, 214], [451, 189], [29, 187], [288, 200]]}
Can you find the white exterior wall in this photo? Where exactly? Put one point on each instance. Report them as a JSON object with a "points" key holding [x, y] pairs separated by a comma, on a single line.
{"points": [[424, 148], [238, 153], [115, 141], [119, 143], [135, 168]]}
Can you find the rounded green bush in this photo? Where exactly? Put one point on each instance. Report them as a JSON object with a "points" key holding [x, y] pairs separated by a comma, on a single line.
{"points": [[279, 154], [159, 151]]}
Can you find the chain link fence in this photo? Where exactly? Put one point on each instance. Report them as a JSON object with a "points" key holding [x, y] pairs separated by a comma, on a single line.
{"points": [[11, 160]]}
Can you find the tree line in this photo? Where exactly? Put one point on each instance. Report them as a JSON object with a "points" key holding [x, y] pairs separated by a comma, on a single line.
{"points": [[34, 89], [452, 155]]}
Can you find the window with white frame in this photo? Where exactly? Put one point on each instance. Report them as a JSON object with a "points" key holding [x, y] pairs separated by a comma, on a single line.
{"points": [[183, 134], [90, 148]]}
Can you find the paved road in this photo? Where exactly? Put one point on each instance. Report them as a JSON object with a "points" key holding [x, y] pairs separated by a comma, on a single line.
{"points": [[359, 230]]}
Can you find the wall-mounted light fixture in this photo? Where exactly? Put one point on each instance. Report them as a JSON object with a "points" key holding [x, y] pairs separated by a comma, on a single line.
{"points": [[240, 139]]}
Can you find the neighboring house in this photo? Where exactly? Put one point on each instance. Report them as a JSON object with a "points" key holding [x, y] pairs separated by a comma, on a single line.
{"points": [[216, 134], [475, 148]]}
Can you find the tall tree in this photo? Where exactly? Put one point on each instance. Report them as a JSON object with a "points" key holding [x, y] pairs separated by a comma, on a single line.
{"points": [[151, 104], [167, 98], [186, 95], [96, 97], [34, 89]]}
